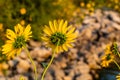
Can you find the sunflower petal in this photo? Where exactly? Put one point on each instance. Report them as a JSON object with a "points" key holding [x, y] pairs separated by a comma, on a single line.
{"points": [[64, 28], [10, 34], [51, 26], [60, 25]]}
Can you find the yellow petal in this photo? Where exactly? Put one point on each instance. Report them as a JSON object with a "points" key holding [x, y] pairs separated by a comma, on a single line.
{"points": [[45, 39], [27, 32], [60, 25], [69, 45], [70, 41], [19, 29], [64, 47], [60, 49], [18, 51], [71, 36], [64, 28], [10, 34], [27, 29], [9, 42], [70, 31], [55, 26], [51, 26], [47, 31], [7, 48], [11, 54]]}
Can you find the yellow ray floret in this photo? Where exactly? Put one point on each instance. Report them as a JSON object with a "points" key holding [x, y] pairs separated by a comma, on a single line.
{"points": [[16, 40], [107, 59], [58, 35]]}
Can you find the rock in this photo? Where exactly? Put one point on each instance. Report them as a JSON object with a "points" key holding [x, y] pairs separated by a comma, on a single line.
{"points": [[48, 77], [23, 66], [72, 54], [11, 63], [88, 20], [58, 73], [115, 25], [82, 68], [17, 77], [40, 54], [113, 16], [2, 78], [84, 77], [23, 55], [67, 78], [34, 43]]}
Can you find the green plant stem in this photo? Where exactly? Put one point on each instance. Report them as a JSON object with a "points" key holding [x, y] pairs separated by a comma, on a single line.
{"points": [[53, 55], [118, 54], [117, 64], [35, 69]]}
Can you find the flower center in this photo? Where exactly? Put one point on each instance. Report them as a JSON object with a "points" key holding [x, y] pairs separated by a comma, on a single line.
{"points": [[19, 42], [108, 57], [58, 38]]}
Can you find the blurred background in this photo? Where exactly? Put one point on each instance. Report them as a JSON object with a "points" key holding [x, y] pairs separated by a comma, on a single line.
{"points": [[97, 21]]}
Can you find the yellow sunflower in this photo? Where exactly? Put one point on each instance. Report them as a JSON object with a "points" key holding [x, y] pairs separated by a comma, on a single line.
{"points": [[23, 11], [107, 59], [59, 36], [16, 40], [118, 77], [108, 49]]}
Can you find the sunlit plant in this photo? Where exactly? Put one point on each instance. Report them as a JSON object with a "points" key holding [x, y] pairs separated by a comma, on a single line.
{"points": [[58, 36], [111, 52], [16, 41]]}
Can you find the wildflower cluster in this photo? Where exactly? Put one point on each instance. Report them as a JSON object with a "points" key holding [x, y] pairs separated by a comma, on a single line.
{"points": [[88, 6], [58, 35], [111, 53], [114, 4], [16, 40]]}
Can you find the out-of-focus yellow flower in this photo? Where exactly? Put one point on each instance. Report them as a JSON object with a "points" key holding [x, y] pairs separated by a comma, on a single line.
{"points": [[22, 22], [109, 5], [23, 78], [93, 3], [107, 59], [3, 66], [108, 49], [16, 40], [59, 36], [1, 26], [91, 13], [116, 1], [116, 7], [88, 5], [23, 11], [82, 4], [118, 77]]}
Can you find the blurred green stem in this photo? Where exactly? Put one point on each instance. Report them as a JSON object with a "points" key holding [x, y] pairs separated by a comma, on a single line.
{"points": [[118, 54], [35, 70], [117, 64], [53, 55]]}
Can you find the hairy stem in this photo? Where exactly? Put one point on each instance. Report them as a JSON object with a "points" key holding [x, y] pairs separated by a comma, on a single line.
{"points": [[35, 69], [53, 55], [117, 64]]}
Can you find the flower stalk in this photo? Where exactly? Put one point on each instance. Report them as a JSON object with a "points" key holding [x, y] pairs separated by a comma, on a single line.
{"points": [[34, 66], [116, 64], [53, 55]]}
